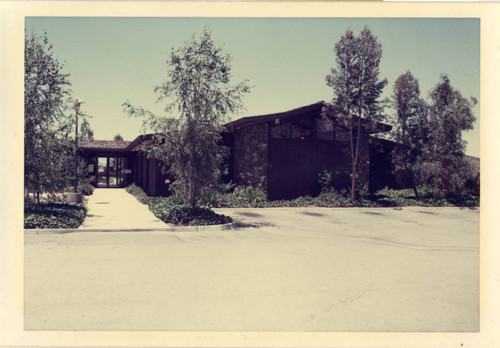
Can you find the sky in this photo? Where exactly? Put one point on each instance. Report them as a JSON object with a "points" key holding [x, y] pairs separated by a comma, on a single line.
{"points": [[114, 59]]}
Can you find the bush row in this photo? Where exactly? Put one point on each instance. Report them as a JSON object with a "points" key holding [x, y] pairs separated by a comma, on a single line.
{"points": [[54, 215], [427, 198], [253, 197], [169, 210]]}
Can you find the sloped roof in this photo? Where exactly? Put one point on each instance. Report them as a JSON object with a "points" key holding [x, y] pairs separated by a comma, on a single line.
{"points": [[140, 140], [245, 121], [104, 144], [321, 107]]}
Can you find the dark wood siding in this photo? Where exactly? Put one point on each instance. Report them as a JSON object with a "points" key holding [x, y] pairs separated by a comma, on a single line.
{"points": [[294, 166], [381, 168]]}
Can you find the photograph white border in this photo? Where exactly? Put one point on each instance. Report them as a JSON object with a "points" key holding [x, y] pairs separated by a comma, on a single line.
{"points": [[12, 15]]}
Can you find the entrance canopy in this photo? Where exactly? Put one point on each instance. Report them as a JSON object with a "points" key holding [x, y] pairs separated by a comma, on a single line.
{"points": [[108, 162]]}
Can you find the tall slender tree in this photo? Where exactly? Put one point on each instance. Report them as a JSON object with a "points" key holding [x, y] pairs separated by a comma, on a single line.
{"points": [[449, 115], [199, 92], [46, 117], [411, 131], [86, 131], [357, 88]]}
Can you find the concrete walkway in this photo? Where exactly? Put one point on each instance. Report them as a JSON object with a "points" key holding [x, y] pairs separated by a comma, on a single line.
{"points": [[117, 209]]}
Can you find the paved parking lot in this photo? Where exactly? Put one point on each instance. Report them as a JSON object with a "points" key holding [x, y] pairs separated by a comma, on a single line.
{"points": [[282, 269]]}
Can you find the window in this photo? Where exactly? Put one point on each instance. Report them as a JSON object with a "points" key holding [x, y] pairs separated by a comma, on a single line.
{"points": [[325, 130], [331, 131], [290, 130]]}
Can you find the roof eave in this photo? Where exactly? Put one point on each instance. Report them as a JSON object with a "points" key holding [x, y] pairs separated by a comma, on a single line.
{"points": [[251, 120]]}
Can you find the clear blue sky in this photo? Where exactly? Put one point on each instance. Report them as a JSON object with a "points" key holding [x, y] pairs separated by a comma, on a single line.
{"points": [[112, 60]]}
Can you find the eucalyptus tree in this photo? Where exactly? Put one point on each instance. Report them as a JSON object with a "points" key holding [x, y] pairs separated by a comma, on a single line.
{"points": [[198, 97], [450, 114], [86, 131], [357, 88], [46, 110], [411, 131]]}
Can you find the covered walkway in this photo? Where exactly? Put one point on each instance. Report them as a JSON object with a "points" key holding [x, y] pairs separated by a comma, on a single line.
{"points": [[114, 208]]}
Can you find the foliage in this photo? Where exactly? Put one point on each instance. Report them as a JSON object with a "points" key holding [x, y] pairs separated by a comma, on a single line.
{"points": [[250, 196], [53, 215], [194, 216], [443, 165], [411, 127], [135, 191], [427, 198], [198, 89], [325, 180], [169, 208], [46, 91], [169, 211], [118, 137], [356, 87], [48, 119], [85, 131], [85, 187], [213, 199]]}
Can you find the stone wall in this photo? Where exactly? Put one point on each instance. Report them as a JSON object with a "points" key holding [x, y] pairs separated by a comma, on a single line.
{"points": [[251, 156]]}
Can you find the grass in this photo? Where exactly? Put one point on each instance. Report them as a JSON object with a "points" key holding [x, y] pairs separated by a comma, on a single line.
{"points": [[53, 215]]}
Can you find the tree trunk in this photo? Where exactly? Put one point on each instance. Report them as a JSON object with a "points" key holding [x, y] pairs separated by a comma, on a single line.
{"points": [[412, 180], [355, 161], [413, 184], [353, 183]]}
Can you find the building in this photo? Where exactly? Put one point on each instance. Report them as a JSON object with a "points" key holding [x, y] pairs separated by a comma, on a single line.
{"points": [[282, 153]]}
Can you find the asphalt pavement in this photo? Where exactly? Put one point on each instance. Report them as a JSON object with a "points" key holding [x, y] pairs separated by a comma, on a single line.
{"points": [[281, 269]]}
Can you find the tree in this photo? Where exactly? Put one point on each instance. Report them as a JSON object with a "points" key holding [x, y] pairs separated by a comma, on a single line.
{"points": [[46, 95], [411, 127], [85, 131], [198, 90], [357, 88], [118, 137], [449, 115]]}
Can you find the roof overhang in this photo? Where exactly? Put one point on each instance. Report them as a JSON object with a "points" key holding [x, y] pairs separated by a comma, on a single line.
{"points": [[322, 108], [251, 120]]}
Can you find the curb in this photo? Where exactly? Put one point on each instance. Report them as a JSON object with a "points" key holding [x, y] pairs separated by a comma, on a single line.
{"points": [[208, 228]]}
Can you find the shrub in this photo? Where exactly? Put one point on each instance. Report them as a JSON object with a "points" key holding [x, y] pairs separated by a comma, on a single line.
{"points": [[194, 216], [249, 197], [135, 191], [395, 198], [325, 180], [53, 215], [428, 197], [86, 188], [214, 199], [168, 209]]}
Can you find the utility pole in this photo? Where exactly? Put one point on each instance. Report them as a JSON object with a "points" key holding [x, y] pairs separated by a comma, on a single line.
{"points": [[78, 102]]}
